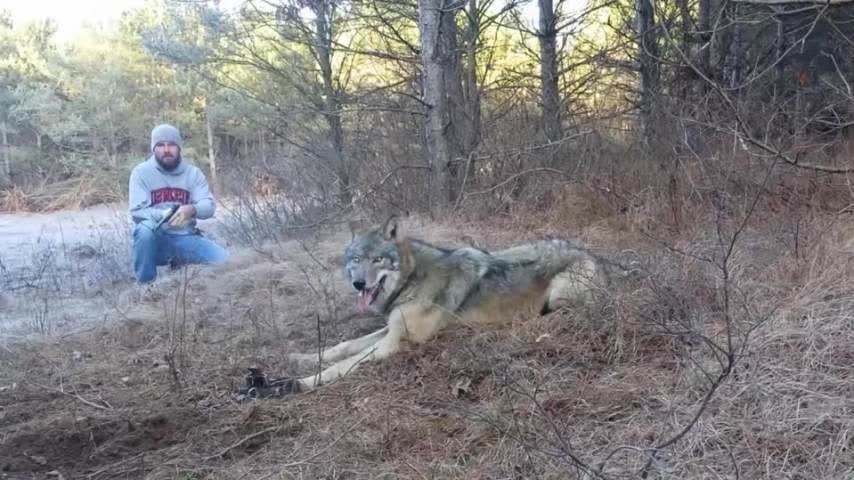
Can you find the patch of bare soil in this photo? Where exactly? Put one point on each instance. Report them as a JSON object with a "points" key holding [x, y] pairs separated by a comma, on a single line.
{"points": [[149, 392]]}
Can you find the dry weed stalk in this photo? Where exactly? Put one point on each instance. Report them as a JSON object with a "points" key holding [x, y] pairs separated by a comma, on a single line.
{"points": [[177, 356]]}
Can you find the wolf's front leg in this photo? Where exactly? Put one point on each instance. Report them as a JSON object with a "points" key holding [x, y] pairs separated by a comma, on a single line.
{"points": [[342, 350], [386, 346]]}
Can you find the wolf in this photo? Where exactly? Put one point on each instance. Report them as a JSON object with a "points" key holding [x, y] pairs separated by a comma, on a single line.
{"points": [[421, 288]]}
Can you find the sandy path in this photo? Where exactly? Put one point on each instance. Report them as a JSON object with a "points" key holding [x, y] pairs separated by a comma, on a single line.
{"points": [[21, 234], [69, 227], [54, 261]]}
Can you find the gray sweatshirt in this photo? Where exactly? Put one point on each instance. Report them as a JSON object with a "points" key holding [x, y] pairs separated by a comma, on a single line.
{"points": [[153, 190]]}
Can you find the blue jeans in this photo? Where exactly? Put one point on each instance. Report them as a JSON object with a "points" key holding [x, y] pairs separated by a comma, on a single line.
{"points": [[156, 248]]}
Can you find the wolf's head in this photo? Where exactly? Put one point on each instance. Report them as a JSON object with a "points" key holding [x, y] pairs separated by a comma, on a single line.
{"points": [[372, 261]]}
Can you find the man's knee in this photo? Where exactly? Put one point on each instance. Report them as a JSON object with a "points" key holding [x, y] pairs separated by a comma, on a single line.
{"points": [[144, 254], [144, 236], [198, 250], [211, 253], [221, 255], [145, 246]]}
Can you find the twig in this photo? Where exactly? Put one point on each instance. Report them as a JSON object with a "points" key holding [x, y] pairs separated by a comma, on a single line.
{"points": [[463, 183], [741, 131], [319, 326], [601, 467], [241, 442], [106, 405], [412, 467], [113, 465], [526, 149], [325, 449], [563, 445], [514, 177], [312, 256]]}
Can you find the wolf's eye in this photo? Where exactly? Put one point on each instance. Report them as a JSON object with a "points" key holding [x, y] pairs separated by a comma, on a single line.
{"points": [[378, 259], [357, 259]]}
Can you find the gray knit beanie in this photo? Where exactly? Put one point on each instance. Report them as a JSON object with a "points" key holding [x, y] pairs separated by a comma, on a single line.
{"points": [[166, 133]]}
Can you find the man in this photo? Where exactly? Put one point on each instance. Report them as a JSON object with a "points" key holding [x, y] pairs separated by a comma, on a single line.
{"points": [[161, 182]]}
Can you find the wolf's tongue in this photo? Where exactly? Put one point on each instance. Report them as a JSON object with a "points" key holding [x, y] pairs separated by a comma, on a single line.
{"points": [[364, 301]]}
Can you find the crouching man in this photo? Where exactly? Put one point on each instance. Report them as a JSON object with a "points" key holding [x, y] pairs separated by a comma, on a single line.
{"points": [[165, 184]]}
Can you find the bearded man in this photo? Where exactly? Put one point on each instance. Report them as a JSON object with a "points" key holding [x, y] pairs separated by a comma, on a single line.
{"points": [[166, 196]]}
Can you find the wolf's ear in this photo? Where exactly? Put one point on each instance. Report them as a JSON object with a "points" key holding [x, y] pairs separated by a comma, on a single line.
{"points": [[390, 229]]}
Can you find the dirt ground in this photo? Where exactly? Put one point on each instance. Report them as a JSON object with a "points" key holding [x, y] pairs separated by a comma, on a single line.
{"points": [[143, 386]]}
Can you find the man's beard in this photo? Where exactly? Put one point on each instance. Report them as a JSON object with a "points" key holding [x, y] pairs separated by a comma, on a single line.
{"points": [[165, 166]]}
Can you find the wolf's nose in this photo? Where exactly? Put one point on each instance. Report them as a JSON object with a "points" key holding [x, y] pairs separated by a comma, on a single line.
{"points": [[359, 285]]}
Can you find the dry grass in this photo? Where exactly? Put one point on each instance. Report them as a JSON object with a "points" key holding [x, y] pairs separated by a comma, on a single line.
{"points": [[73, 193], [144, 389]]}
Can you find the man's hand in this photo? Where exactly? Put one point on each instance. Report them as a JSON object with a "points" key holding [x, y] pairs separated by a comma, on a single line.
{"points": [[182, 216]]}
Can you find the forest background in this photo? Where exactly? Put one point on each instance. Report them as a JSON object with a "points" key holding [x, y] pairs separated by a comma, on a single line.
{"points": [[707, 144]]}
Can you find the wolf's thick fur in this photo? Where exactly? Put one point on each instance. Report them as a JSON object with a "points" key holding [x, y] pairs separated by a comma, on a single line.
{"points": [[422, 288]]}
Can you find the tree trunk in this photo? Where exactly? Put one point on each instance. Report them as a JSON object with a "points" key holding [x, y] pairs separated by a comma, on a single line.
{"points": [[704, 27], [547, 36], [648, 64], [262, 146], [324, 12], [685, 87], [114, 150], [110, 141], [7, 154], [685, 20], [471, 89], [435, 99], [211, 150], [780, 48], [734, 53], [457, 126]]}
